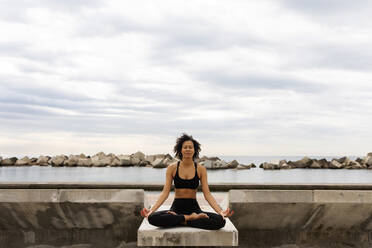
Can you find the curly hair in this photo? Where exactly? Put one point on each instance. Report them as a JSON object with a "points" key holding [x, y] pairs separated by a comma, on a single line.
{"points": [[179, 142]]}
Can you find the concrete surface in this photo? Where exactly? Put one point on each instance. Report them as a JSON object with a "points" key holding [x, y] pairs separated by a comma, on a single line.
{"points": [[48, 218], [149, 235], [158, 187], [303, 218]]}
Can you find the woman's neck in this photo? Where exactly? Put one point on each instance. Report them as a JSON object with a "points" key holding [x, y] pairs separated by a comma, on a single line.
{"points": [[187, 161]]}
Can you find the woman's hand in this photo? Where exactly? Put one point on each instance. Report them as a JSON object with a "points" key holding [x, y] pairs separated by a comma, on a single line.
{"points": [[226, 213], [146, 212]]}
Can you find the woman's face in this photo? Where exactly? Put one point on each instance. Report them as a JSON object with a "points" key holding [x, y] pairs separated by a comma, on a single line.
{"points": [[188, 149]]}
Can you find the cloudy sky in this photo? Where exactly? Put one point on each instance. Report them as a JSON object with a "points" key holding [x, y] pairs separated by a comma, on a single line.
{"points": [[243, 77]]}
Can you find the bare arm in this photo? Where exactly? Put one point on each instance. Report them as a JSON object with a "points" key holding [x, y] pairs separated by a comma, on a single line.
{"points": [[207, 194], [166, 189]]}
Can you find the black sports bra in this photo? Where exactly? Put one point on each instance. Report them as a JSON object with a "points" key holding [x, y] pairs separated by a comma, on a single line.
{"points": [[180, 183]]}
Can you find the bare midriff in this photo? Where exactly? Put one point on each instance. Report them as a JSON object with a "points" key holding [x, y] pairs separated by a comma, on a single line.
{"points": [[185, 193]]}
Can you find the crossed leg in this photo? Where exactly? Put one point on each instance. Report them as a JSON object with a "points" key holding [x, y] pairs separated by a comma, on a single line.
{"points": [[168, 218], [165, 219], [214, 222]]}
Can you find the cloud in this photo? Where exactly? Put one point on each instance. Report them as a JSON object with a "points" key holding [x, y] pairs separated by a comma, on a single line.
{"points": [[253, 82], [319, 7], [16, 11], [253, 75]]}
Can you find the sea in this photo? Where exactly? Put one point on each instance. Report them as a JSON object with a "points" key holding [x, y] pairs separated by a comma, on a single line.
{"points": [[147, 175]]}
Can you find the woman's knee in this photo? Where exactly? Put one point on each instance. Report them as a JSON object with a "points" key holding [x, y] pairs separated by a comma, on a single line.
{"points": [[221, 223], [152, 219], [156, 218]]}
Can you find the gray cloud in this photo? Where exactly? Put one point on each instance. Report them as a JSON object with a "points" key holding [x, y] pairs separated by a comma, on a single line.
{"points": [[357, 58], [28, 50], [15, 11], [257, 81], [138, 94], [316, 7]]}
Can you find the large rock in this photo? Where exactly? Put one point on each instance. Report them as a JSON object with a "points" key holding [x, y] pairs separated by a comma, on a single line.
{"points": [[268, 166], [356, 165], [100, 155], [140, 155], [323, 163], [143, 163], [245, 167], [71, 161], [100, 160], [207, 163], [85, 162], [232, 164], [315, 165], [220, 164], [9, 161], [342, 160], [214, 164], [284, 165], [124, 160], [33, 161], [23, 161], [111, 155], [115, 162], [150, 158], [368, 159], [43, 160], [335, 164], [159, 163], [135, 161], [360, 161], [291, 164], [58, 161], [205, 158], [82, 155], [305, 162]]}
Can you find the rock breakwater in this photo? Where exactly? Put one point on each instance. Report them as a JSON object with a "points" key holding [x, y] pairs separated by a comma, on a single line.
{"points": [[163, 160], [335, 163], [111, 160]]}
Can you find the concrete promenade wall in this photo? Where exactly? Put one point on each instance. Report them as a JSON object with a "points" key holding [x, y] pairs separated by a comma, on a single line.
{"points": [[303, 218], [48, 218], [107, 215]]}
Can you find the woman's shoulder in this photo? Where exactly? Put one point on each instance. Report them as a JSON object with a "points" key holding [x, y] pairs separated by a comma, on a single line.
{"points": [[201, 167], [172, 166]]}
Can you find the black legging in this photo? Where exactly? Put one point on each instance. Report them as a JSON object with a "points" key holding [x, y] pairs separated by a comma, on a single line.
{"points": [[186, 206]]}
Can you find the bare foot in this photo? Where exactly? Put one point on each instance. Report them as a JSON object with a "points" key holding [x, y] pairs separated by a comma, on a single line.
{"points": [[195, 216], [171, 212]]}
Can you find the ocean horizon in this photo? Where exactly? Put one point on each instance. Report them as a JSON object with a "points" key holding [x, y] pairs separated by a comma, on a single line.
{"points": [[143, 175]]}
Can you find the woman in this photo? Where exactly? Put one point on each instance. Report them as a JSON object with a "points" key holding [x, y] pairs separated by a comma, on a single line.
{"points": [[185, 209]]}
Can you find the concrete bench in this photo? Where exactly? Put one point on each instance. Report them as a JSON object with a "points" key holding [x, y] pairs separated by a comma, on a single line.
{"points": [[149, 235], [69, 217], [324, 218]]}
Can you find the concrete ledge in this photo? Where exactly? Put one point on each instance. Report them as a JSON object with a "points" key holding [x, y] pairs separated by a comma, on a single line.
{"points": [[149, 235], [325, 218], [56, 218], [159, 186]]}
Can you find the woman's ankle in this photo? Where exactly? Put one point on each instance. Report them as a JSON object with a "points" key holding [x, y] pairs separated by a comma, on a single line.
{"points": [[186, 218]]}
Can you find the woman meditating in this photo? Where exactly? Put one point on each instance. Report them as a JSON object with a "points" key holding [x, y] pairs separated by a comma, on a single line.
{"points": [[185, 209]]}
